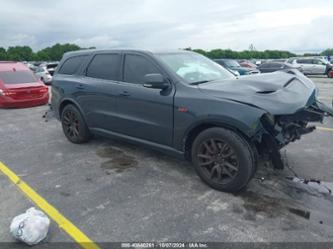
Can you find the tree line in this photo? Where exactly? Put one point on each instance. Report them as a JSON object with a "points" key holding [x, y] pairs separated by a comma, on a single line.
{"points": [[55, 53], [25, 53]]}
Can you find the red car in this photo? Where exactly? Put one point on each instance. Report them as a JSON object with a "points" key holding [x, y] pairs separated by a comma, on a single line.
{"points": [[248, 64], [330, 74], [19, 87]]}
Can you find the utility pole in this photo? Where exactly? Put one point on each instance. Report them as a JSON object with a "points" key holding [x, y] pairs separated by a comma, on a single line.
{"points": [[252, 47]]}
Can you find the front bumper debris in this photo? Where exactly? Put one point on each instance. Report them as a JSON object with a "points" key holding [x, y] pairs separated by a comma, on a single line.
{"points": [[289, 128]]}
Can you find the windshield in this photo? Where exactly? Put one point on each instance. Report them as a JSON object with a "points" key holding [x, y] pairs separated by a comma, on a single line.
{"points": [[194, 68]]}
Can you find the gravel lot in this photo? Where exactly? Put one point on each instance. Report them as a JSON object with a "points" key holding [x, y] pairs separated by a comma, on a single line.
{"points": [[114, 191]]}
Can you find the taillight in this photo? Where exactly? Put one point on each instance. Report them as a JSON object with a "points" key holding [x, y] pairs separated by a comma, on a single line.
{"points": [[44, 90], [6, 92], [9, 93]]}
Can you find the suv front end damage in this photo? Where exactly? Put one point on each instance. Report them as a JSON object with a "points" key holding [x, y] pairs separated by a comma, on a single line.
{"points": [[280, 130]]}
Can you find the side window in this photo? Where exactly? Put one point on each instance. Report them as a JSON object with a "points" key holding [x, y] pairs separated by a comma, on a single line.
{"points": [[105, 66], [72, 64], [136, 67], [315, 62], [318, 62]]}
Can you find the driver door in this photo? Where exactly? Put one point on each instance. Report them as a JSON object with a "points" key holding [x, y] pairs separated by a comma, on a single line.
{"points": [[142, 112]]}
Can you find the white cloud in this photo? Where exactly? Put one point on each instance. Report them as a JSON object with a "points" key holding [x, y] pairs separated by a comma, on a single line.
{"points": [[234, 24]]}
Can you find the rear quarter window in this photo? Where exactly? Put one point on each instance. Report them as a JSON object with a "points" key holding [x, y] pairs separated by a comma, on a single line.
{"points": [[72, 64], [17, 77]]}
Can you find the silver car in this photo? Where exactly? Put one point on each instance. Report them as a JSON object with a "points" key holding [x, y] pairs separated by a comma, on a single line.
{"points": [[312, 65], [43, 74]]}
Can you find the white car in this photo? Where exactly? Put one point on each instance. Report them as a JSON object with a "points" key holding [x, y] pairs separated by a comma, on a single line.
{"points": [[43, 74], [312, 65]]}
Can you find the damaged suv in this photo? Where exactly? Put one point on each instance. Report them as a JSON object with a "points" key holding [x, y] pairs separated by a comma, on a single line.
{"points": [[186, 105]]}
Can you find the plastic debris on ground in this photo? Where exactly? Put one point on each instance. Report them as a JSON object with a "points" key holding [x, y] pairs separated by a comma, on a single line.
{"points": [[30, 227]]}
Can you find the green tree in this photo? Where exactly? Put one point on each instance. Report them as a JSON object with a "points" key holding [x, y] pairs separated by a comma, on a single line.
{"points": [[56, 52], [246, 54], [19, 53], [3, 54], [328, 51]]}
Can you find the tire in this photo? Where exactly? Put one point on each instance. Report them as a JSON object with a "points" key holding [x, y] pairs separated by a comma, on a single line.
{"points": [[73, 125], [223, 159]]}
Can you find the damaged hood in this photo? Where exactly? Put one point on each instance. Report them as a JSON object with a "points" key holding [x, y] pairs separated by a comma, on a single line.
{"points": [[278, 93]]}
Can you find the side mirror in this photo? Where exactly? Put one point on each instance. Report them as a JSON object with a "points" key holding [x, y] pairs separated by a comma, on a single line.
{"points": [[155, 81]]}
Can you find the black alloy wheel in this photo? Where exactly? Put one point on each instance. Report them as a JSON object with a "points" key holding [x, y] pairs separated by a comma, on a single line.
{"points": [[218, 160], [223, 159], [73, 125]]}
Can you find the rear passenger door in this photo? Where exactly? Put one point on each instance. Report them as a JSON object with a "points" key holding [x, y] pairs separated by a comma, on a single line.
{"points": [[98, 89], [144, 113]]}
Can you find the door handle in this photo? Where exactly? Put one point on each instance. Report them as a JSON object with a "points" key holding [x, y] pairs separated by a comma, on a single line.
{"points": [[80, 86], [125, 94]]}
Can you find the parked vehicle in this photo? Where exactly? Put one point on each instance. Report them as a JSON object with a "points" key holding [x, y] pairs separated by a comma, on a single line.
{"points": [[186, 105], [233, 65], [43, 74], [247, 64], [269, 67], [330, 74], [314, 66], [49, 66], [278, 60], [19, 87]]}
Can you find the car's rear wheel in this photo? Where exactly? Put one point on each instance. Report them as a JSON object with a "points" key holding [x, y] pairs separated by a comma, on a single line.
{"points": [[223, 159], [73, 125]]}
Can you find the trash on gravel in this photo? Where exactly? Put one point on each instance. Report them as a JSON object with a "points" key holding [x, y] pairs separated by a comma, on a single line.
{"points": [[313, 183], [49, 114], [30, 227]]}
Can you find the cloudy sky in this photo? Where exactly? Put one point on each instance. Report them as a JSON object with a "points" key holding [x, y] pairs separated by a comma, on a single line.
{"points": [[298, 25]]}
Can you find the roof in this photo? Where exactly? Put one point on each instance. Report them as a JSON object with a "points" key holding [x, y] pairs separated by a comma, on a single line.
{"points": [[89, 51], [12, 66]]}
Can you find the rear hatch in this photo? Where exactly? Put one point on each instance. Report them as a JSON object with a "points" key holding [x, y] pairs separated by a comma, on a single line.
{"points": [[22, 85]]}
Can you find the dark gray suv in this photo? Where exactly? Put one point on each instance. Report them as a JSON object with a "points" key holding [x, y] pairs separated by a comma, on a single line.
{"points": [[186, 105]]}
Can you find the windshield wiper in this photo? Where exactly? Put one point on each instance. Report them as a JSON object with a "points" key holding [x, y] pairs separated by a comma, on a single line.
{"points": [[199, 82]]}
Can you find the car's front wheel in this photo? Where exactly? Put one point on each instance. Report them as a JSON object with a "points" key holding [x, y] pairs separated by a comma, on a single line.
{"points": [[73, 125], [223, 159]]}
